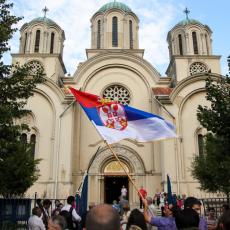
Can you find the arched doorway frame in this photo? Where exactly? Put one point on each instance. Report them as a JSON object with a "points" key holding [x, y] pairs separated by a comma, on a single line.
{"points": [[128, 156]]}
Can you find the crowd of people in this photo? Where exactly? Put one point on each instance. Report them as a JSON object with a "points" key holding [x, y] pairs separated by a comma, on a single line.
{"points": [[182, 213]]}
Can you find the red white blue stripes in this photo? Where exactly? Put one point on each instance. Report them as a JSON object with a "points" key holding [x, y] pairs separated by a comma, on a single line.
{"points": [[116, 122]]}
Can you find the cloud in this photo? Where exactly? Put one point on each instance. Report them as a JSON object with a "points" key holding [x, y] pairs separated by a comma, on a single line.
{"points": [[74, 18]]}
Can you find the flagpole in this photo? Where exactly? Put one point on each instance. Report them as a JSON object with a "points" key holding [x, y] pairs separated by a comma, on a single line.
{"points": [[131, 180], [86, 172]]}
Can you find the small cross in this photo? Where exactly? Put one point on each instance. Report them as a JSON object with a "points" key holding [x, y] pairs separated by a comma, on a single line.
{"points": [[45, 10], [186, 11]]}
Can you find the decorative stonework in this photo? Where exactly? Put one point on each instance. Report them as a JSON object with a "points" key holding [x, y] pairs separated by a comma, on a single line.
{"points": [[35, 67], [115, 167], [197, 68], [117, 93], [125, 154]]}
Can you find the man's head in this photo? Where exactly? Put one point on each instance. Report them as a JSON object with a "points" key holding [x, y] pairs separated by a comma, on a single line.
{"points": [[103, 217], [37, 211], [47, 203], [192, 202], [70, 200], [211, 212], [187, 218]]}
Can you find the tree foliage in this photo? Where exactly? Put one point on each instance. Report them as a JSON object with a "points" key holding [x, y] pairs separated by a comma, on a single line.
{"points": [[212, 168], [18, 169]]}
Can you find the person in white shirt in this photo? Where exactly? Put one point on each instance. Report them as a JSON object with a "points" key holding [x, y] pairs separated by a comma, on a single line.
{"points": [[70, 202], [35, 222], [124, 192]]}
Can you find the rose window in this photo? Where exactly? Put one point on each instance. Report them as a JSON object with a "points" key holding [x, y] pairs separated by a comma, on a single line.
{"points": [[117, 93], [35, 67], [197, 68]]}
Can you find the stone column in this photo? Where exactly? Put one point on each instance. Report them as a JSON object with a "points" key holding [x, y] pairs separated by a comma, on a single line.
{"points": [[202, 38], [29, 48], [187, 44]]}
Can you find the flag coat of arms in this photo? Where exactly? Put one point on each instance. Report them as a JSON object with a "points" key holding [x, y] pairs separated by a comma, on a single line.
{"points": [[116, 122]]}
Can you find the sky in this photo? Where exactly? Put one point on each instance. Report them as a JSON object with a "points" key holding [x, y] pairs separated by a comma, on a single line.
{"points": [[157, 17]]}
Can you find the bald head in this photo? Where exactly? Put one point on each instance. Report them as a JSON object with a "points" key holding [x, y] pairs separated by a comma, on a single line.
{"points": [[103, 217]]}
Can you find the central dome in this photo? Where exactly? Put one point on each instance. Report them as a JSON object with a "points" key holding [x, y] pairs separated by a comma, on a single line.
{"points": [[45, 20], [115, 5]]}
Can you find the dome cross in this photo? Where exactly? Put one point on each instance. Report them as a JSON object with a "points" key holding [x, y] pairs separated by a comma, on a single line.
{"points": [[45, 10], [186, 11]]}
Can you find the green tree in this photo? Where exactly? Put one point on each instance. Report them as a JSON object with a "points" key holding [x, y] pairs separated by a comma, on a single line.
{"points": [[18, 169], [211, 169]]}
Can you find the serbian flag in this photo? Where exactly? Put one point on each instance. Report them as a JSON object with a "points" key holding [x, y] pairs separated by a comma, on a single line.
{"points": [[116, 122]]}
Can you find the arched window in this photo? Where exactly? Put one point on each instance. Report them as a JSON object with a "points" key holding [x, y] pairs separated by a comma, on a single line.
{"points": [[131, 34], [197, 68], [180, 44], [37, 41], [195, 45], [52, 42], [98, 34], [201, 144], [33, 143], [25, 43], [114, 32], [117, 93], [23, 138]]}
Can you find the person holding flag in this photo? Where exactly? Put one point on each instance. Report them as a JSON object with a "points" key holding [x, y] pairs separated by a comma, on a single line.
{"points": [[166, 222]]}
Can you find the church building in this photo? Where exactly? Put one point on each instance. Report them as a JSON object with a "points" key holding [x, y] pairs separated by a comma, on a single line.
{"points": [[68, 143]]}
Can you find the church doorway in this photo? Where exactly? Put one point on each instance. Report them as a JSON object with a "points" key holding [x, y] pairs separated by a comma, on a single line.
{"points": [[113, 185], [115, 178]]}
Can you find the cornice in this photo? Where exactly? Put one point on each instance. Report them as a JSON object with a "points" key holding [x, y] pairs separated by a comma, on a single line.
{"points": [[119, 55]]}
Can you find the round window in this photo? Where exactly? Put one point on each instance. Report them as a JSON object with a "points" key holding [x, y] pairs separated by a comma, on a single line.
{"points": [[117, 93]]}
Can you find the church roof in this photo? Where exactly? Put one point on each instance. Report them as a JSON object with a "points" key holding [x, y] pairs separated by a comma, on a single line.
{"points": [[115, 5], [162, 91], [188, 21], [45, 20]]}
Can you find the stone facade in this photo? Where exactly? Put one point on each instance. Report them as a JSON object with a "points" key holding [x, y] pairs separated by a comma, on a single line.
{"points": [[65, 139]]}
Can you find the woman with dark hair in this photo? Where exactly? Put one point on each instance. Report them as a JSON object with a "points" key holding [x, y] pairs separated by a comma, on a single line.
{"points": [[136, 218]]}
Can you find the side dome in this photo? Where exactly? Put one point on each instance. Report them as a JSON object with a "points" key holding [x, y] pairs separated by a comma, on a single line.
{"points": [[44, 20], [188, 21], [189, 37], [114, 5], [42, 35]]}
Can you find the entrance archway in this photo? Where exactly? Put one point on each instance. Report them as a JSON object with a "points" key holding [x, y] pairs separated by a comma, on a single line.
{"points": [[105, 171]]}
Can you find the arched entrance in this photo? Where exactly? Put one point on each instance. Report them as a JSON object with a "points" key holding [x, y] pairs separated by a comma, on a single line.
{"points": [[106, 177], [114, 179]]}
